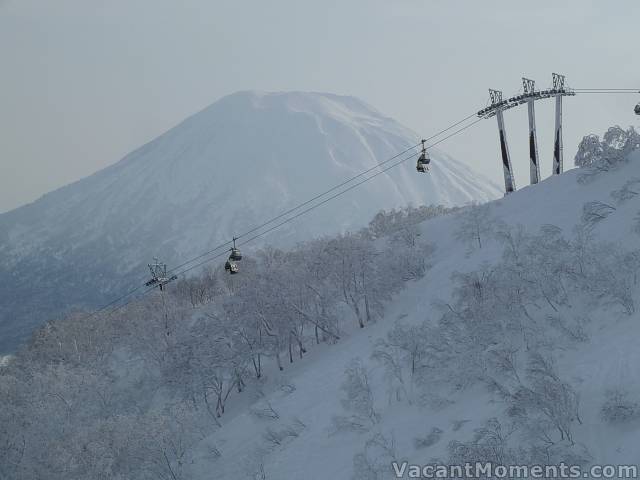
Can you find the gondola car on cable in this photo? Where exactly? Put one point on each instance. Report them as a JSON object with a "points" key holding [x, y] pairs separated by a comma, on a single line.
{"points": [[235, 252], [423, 160], [231, 266]]}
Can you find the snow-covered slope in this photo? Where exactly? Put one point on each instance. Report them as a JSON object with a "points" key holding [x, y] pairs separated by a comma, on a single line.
{"points": [[244, 159], [606, 360]]}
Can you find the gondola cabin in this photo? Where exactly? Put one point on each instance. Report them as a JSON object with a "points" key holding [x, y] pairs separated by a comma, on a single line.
{"points": [[423, 160]]}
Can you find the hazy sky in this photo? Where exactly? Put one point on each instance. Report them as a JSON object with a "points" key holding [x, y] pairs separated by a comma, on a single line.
{"points": [[86, 81]]}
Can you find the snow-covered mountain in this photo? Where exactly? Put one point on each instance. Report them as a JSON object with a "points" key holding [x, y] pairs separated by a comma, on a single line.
{"points": [[242, 160]]}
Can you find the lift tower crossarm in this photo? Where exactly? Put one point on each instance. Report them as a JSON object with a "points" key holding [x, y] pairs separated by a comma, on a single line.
{"points": [[516, 100]]}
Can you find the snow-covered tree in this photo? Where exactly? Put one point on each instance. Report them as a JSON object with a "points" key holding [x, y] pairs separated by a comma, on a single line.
{"points": [[589, 152], [598, 156], [358, 400], [476, 225]]}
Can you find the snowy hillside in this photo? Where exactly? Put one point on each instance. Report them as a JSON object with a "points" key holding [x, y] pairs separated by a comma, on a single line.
{"points": [[244, 159], [451, 414], [502, 333]]}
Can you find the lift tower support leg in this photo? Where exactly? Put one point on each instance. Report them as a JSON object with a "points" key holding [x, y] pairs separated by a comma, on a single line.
{"points": [[509, 183], [558, 86], [534, 163], [496, 108], [557, 142]]}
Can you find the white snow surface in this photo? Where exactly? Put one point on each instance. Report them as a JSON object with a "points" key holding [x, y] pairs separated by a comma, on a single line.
{"points": [[610, 358], [243, 160]]}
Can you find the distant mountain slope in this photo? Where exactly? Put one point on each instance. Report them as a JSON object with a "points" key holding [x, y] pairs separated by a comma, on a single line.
{"points": [[240, 161]]}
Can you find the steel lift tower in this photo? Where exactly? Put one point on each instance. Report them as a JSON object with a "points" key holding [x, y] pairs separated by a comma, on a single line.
{"points": [[558, 87], [529, 87], [497, 107], [530, 95], [159, 275]]}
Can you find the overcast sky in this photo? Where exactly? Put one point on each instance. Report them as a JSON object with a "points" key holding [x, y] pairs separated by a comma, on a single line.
{"points": [[86, 81]]}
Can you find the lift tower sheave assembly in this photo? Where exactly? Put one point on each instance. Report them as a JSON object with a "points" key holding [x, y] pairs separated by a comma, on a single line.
{"points": [[159, 275], [534, 163]]}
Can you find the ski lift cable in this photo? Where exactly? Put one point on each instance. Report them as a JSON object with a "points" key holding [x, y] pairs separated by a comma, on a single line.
{"points": [[291, 210], [117, 300], [352, 178], [579, 92], [351, 187], [118, 307], [299, 214], [319, 196], [608, 89]]}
